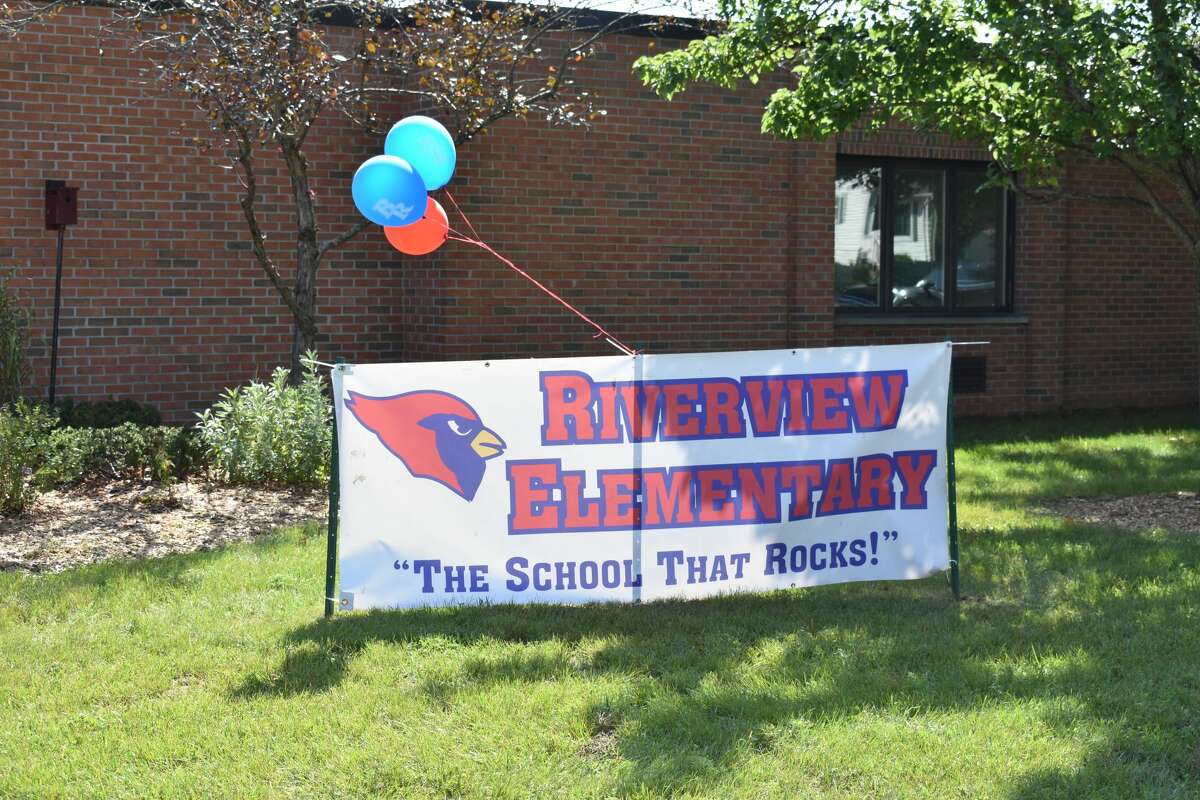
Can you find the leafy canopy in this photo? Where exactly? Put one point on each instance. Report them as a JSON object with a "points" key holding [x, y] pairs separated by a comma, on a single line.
{"points": [[1033, 80]]}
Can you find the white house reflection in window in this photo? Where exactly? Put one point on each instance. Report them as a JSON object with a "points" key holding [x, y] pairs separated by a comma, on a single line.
{"points": [[856, 236], [932, 213], [917, 241]]}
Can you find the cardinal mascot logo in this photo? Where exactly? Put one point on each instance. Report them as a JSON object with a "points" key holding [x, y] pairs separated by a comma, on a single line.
{"points": [[437, 436]]}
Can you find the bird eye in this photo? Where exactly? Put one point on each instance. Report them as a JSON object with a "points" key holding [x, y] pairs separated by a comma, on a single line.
{"points": [[461, 430]]}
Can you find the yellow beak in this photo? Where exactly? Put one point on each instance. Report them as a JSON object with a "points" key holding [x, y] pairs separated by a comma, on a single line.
{"points": [[487, 444]]}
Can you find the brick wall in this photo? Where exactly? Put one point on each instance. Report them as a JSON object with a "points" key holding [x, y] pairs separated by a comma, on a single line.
{"points": [[162, 298], [676, 225]]}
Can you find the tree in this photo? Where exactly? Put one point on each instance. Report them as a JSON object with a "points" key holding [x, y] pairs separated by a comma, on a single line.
{"points": [[263, 72], [1036, 81]]}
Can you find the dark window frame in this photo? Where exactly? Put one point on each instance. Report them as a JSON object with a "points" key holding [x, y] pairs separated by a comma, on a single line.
{"points": [[888, 166]]}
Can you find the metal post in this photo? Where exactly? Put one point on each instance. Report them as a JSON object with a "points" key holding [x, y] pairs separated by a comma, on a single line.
{"points": [[332, 533], [62, 229], [952, 490], [636, 596]]}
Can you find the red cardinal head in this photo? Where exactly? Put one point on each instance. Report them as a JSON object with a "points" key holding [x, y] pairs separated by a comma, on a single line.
{"points": [[436, 435]]}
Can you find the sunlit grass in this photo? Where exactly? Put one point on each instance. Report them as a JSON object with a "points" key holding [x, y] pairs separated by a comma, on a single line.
{"points": [[1072, 670]]}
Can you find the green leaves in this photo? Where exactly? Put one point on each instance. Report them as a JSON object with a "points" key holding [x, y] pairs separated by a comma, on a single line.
{"points": [[14, 324], [271, 432], [71, 455], [23, 429], [1030, 80]]}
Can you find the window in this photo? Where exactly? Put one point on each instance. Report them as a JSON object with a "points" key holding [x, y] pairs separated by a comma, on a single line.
{"points": [[920, 236]]}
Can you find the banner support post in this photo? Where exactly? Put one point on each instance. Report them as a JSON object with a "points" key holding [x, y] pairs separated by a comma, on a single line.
{"points": [[334, 491], [952, 489]]}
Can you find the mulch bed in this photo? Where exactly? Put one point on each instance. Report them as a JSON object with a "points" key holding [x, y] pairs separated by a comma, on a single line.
{"points": [[132, 519], [1178, 511]]}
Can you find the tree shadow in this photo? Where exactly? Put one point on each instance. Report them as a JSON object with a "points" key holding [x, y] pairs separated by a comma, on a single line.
{"points": [[1042, 428], [174, 570], [724, 674], [1094, 780], [1082, 470]]}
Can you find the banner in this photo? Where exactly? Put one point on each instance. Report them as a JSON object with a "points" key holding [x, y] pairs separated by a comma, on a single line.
{"points": [[578, 480]]}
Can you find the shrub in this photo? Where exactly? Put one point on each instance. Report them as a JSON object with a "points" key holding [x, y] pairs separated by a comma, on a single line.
{"points": [[105, 413], [23, 430], [72, 455], [13, 324], [271, 432]]}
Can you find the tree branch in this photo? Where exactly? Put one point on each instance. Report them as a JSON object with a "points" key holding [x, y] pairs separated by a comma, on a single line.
{"points": [[344, 237], [1160, 208], [1055, 195], [258, 240]]}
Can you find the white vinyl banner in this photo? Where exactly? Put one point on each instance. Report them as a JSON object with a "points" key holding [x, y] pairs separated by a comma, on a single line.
{"points": [[573, 480]]}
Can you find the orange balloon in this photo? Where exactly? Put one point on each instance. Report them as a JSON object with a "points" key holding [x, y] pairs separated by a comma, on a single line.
{"points": [[423, 236]]}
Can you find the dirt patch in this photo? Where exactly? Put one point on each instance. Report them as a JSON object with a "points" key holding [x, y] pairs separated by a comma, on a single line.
{"points": [[134, 520], [1178, 511], [603, 741]]}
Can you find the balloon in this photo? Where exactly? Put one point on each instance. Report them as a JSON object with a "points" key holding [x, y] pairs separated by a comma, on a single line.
{"points": [[427, 145], [388, 191], [423, 236]]}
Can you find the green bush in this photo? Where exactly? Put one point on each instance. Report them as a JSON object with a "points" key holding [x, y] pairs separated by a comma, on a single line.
{"points": [[13, 325], [23, 430], [271, 432], [71, 455], [105, 413]]}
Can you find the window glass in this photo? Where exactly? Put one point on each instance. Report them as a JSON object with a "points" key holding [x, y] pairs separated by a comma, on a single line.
{"points": [[918, 250], [901, 226], [980, 227], [856, 236], [904, 215]]}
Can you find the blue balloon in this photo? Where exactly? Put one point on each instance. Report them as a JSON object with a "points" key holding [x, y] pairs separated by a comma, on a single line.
{"points": [[427, 145], [389, 192]]}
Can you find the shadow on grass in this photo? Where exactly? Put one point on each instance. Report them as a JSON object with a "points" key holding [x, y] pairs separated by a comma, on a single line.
{"points": [[1051, 626], [1107, 775], [1082, 470], [177, 570], [1038, 428]]}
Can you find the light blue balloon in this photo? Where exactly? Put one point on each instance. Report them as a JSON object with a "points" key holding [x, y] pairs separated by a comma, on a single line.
{"points": [[389, 192], [427, 145]]}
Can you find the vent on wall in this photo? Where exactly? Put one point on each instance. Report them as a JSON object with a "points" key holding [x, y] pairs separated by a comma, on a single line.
{"points": [[968, 374]]}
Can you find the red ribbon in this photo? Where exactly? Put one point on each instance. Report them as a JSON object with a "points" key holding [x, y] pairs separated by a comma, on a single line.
{"points": [[477, 241]]}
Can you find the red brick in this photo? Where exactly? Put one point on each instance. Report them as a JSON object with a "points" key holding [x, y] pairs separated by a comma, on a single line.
{"points": [[678, 226]]}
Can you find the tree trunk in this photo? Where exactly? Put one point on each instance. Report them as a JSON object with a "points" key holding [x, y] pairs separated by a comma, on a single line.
{"points": [[308, 258], [304, 329]]}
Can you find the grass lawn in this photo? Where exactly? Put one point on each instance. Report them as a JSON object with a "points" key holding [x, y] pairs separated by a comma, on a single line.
{"points": [[1073, 670]]}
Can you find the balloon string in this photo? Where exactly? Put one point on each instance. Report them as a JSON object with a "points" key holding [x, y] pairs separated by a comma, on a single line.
{"points": [[462, 214], [478, 242], [617, 343]]}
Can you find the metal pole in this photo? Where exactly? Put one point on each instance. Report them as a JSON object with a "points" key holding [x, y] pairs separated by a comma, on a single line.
{"points": [[332, 533], [638, 373], [952, 486], [62, 229]]}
